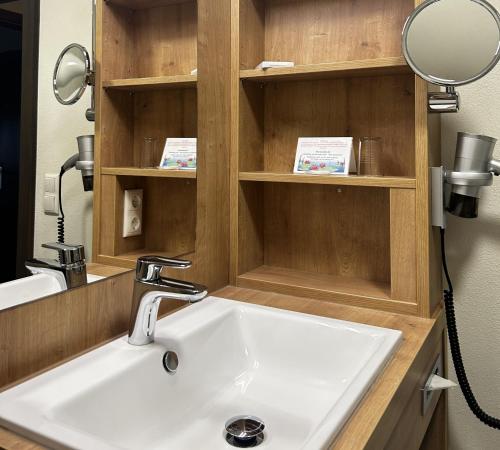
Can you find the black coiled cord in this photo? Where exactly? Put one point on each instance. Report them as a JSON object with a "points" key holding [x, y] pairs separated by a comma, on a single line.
{"points": [[456, 353], [60, 219]]}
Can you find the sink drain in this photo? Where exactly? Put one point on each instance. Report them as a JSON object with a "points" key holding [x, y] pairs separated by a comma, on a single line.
{"points": [[244, 431]]}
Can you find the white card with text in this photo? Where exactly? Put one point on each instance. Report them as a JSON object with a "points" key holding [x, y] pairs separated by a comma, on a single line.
{"points": [[325, 156], [179, 154]]}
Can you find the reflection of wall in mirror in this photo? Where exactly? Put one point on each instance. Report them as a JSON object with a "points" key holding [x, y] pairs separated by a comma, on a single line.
{"points": [[62, 22]]}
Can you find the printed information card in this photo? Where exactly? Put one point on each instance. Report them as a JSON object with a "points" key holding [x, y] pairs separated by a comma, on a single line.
{"points": [[179, 154], [325, 155]]}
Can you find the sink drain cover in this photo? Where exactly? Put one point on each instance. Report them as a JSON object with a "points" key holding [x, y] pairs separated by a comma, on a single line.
{"points": [[245, 431]]}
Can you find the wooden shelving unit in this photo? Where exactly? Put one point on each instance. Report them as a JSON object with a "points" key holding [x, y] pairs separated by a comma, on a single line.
{"points": [[152, 83], [368, 67], [146, 51], [351, 180], [148, 172], [364, 241]]}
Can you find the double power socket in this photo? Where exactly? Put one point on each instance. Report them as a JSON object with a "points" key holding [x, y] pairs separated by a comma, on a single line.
{"points": [[132, 212]]}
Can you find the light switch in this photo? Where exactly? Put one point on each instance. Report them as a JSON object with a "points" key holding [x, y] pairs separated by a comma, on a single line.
{"points": [[50, 186], [50, 205], [51, 194]]}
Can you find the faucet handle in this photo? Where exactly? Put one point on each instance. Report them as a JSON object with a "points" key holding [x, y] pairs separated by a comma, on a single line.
{"points": [[68, 254], [148, 268]]}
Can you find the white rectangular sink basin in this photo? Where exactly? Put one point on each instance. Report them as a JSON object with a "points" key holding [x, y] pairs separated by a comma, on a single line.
{"points": [[302, 375]]}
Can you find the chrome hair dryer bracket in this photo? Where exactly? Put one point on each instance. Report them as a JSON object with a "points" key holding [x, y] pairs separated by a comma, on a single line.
{"points": [[473, 169]]}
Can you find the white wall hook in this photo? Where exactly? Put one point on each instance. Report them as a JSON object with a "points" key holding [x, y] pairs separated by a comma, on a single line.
{"points": [[437, 383]]}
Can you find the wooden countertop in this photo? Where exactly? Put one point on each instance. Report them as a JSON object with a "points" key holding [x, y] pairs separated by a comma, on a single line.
{"points": [[381, 408], [105, 271]]}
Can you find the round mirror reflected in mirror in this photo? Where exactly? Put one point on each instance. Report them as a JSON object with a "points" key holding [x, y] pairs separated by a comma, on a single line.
{"points": [[452, 42], [72, 74]]}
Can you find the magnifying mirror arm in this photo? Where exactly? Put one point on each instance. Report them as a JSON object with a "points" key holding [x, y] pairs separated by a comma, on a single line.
{"points": [[451, 43], [444, 102], [90, 112]]}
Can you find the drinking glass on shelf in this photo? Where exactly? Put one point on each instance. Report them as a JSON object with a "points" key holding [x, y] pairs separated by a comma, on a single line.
{"points": [[370, 156], [149, 156]]}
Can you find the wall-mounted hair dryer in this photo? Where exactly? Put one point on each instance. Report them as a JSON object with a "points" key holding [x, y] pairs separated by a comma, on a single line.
{"points": [[84, 162], [473, 169]]}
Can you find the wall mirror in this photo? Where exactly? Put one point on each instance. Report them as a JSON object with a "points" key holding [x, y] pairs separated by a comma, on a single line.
{"points": [[42, 135], [451, 43]]}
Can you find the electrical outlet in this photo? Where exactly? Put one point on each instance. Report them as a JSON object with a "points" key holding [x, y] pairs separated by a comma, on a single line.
{"points": [[132, 212], [51, 194]]}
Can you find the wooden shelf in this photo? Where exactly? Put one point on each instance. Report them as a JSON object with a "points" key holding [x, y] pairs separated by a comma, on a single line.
{"points": [[129, 260], [366, 67], [152, 83], [145, 4], [352, 291], [341, 180], [153, 172]]}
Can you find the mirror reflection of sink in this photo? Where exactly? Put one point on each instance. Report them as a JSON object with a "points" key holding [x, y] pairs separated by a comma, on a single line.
{"points": [[31, 288], [93, 278], [302, 375]]}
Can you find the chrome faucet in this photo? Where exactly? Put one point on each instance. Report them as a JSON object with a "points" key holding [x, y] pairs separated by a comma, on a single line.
{"points": [[69, 270], [150, 288]]}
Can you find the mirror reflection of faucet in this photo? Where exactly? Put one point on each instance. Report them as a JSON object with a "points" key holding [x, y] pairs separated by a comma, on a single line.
{"points": [[70, 269]]}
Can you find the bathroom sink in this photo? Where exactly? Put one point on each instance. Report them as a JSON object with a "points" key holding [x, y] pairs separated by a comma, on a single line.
{"points": [[31, 288], [302, 375]]}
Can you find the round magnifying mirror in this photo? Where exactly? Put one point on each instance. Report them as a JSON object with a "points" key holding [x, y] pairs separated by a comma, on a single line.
{"points": [[72, 74], [452, 42]]}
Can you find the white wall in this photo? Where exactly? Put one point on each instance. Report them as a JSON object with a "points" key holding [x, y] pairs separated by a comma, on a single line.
{"points": [[61, 23], [473, 249]]}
